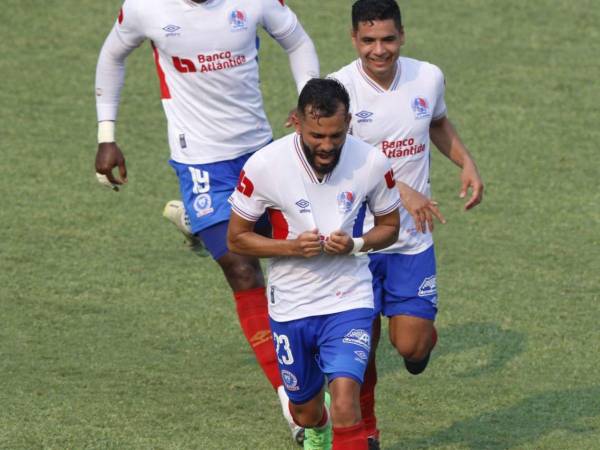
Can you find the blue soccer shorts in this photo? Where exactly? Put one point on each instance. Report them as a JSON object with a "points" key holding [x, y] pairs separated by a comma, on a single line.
{"points": [[333, 345], [405, 284], [205, 190]]}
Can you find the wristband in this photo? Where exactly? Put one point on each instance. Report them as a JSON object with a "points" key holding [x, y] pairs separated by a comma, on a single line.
{"points": [[358, 245], [106, 131]]}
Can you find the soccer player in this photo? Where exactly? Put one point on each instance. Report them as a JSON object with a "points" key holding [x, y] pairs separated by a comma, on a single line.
{"points": [[206, 59], [312, 183], [397, 105]]}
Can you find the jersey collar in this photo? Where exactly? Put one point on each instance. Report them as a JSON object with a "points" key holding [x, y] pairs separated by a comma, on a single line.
{"points": [[373, 84], [306, 165]]}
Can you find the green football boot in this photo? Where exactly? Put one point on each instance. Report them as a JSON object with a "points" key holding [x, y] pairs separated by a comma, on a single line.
{"points": [[319, 439]]}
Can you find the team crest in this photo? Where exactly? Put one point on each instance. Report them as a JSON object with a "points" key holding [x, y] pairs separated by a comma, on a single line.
{"points": [[289, 380], [238, 20], [203, 205], [421, 108], [345, 200]]}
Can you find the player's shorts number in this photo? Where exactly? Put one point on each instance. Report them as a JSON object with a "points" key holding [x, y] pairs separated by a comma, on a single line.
{"points": [[201, 180], [283, 350]]}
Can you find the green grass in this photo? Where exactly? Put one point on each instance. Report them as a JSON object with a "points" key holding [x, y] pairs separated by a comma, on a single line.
{"points": [[113, 336]]}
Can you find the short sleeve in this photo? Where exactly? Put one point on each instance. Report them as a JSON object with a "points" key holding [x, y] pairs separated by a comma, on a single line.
{"points": [[249, 199], [383, 197], [439, 109], [277, 18]]}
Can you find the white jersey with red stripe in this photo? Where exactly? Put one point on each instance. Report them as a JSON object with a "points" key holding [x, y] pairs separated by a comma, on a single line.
{"points": [[206, 58], [397, 121], [280, 180]]}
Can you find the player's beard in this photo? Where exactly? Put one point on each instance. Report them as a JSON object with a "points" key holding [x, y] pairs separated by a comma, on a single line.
{"points": [[322, 169]]}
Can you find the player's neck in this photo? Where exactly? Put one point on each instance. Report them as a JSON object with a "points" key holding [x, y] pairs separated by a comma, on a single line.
{"points": [[384, 80]]}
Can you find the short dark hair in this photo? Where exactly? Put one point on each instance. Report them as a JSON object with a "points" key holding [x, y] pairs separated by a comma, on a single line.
{"points": [[324, 95], [371, 10]]}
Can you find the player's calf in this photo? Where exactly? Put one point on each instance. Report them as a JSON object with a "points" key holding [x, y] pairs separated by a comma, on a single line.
{"points": [[417, 366]]}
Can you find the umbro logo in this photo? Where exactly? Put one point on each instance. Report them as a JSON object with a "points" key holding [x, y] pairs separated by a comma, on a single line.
{"points": [[172, 30], [364, 116], [303, 205]]}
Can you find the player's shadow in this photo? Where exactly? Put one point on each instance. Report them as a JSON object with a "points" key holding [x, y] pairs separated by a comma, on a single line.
{"points": [[524, 423], [490, 345]]}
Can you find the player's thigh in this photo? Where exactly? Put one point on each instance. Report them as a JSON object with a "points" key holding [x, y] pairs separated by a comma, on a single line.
{"points": [[344, 344], [410, 285], [296, 347]]}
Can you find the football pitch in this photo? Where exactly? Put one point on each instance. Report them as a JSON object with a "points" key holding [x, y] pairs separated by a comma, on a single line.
{"points": [[114, 336]]}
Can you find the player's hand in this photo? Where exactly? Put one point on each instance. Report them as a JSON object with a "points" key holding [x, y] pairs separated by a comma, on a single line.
{"points": [[421, 208], [339, 243], [308, 244], [290, 118], [470, 178], [108, 157]]}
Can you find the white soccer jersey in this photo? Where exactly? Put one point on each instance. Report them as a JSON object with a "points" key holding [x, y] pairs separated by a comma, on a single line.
{"points": [[280, 180], [206, 59], [397, 122]]}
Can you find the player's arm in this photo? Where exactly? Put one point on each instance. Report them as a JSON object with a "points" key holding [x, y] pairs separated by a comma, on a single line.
{"points": [[110, 77], [242, 239], [282, 24], [446, 139], [421, 208], [382, 235]]}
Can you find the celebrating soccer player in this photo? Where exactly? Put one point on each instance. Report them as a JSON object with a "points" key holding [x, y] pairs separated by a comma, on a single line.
{"points": [[397, 105], [206, 59], [312, 184]]}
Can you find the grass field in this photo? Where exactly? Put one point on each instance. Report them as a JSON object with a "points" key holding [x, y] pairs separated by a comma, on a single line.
{"points": [[113, 336]]}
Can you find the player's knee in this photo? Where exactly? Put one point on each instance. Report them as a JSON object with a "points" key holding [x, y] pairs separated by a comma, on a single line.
{"points": [[306, 417], [345, 411], [413, 350], [241, 274]]}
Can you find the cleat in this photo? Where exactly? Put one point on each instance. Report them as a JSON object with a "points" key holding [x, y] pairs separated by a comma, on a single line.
{"points": [[319, 439], [298, 434], [416, 367], [373, 443], [297, 431], [175, 212]]}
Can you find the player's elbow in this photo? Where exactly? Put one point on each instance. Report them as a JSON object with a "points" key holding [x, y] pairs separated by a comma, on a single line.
{"points": [[233, 241]]}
